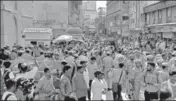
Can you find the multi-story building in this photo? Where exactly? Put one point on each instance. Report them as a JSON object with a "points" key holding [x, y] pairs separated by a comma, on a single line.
{"points": [[15, 16], [136, 20], [75, 10], [118, 17], [160, 19], [100, 21], [90, 14], [57, 14], [101, 11]]}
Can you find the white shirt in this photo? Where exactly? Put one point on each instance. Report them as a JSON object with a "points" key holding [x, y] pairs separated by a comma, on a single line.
{"points": [[86, 77], [11, 97]]}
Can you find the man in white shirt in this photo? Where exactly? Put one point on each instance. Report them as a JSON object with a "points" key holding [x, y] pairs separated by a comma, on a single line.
{"points": [[92, 68], [9, 94]]}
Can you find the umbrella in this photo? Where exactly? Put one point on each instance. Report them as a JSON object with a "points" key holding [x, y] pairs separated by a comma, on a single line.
{"points": [[63, 38]]}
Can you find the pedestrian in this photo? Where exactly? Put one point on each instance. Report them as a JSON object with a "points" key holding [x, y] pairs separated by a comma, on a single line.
{"points": [[9, 94], [66, 89], [152, 82], [98, 87], [79, 84], [107, 63], [45, 86], [168, 88], [92, 68], [118, 75]]}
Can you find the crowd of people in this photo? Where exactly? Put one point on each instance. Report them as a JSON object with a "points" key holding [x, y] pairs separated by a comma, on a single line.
{"points": [[90, 70]]}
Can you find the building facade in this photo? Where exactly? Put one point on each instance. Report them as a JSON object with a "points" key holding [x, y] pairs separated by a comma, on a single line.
{"points": [[118, 17], [101, 11], [15, 16], [101, 19], [90, 15], [160, 19], [75, 10], [57, 14], [136, 21]]}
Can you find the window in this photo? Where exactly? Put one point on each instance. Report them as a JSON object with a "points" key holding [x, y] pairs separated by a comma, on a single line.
{"points": [[148, 18], [160, 16], [153, 17], [156, 17], [168, 14], [125, 18]]}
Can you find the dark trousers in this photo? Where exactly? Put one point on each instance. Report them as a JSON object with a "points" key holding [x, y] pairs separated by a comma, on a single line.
{"points": [[89, 91], [82, 99], [69, 99], [149, 96], [117, 89], [164, 96]]}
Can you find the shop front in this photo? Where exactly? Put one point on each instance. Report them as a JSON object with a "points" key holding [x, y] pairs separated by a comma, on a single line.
{"points": [[166, 31], [163, 31], [135, 32]]}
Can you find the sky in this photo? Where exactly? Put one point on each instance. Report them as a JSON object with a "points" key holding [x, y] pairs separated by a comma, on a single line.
{"points": [[101, 4]]}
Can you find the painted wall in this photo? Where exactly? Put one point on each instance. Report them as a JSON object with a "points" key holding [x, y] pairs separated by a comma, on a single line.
{"points": [[13, 21]]}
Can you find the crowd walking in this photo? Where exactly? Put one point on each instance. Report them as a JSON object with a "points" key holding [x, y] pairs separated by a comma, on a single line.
{"points": [[90, 70]]}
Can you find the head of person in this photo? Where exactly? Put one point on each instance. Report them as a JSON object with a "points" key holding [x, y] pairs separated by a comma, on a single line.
{"points": [[172, 74], [66, 70], [56, 73], [63, 63], [165, 66], [41, 53], [131, 57], [27, 51], [159, 62], [121, 65], [108, 53], [23, 67], [81, 69], [7, 64], [6, 52], [93, 60], [56, 56], [20, 53], [11, 85], [47, 72], [174, 54], [150, 58], [98, 75], [83, 63], [138, 63], [2, 51], [150, 66], [70, 53]]}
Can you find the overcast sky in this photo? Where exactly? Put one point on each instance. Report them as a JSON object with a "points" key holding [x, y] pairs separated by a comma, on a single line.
{"points": [[101, 4]]}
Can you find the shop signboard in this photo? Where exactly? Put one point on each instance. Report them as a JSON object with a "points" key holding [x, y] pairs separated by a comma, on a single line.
{"points": [[166, 29]]}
